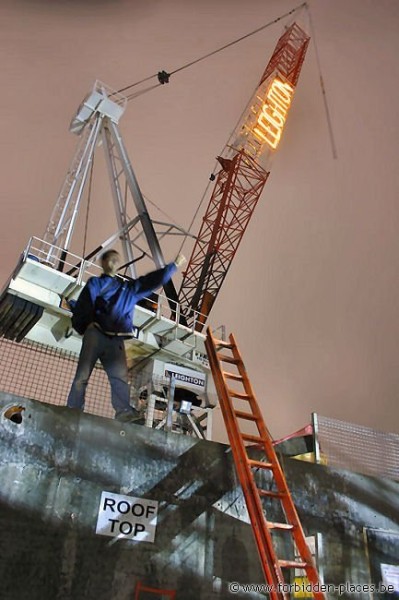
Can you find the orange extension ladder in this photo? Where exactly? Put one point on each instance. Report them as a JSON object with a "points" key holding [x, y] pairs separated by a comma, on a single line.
{"points": [[220, 352]]}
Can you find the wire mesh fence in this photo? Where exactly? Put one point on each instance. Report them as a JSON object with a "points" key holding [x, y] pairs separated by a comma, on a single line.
{"points": [[45, 373], [358, 448]]}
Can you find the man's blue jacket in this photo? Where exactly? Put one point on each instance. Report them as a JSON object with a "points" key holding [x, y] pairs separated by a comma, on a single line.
{"points": [[109, 301]]}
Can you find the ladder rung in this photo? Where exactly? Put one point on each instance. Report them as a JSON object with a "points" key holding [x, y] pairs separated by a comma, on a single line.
{"points": [[229, 359], [235, 376], [269, 494], [260, 464], [293, 564], [241, 395], [243, 415], [252, 438], [282, 526], [221, 344]]}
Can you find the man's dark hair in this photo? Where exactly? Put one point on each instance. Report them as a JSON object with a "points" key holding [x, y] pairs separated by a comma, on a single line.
{"points": [[108, 253]]}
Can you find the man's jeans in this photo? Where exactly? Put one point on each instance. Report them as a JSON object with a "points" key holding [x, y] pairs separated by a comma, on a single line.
{"points": [[111, 352]]}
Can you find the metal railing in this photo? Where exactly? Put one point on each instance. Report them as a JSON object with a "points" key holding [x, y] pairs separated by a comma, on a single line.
{"points": [[82, 269]]}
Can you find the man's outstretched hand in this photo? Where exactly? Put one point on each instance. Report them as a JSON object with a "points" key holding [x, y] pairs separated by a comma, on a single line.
{"points": [[180, 260]]}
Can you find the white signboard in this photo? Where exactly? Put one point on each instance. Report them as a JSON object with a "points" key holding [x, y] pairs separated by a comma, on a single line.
{"points": [[390, 576], [127, 517], [193, 380]]}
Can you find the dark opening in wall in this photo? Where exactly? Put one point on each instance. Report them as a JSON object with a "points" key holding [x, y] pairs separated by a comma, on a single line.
{"points": [[14, 414]]}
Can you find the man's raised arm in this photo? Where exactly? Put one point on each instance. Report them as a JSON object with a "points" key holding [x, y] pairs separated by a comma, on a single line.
{"points": [[146, 284]]}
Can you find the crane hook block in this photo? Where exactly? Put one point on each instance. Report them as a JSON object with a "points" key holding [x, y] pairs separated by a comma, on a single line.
{"points": [[163, 77]]}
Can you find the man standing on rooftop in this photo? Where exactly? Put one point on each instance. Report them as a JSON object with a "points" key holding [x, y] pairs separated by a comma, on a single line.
{"points": [[103, 314]]}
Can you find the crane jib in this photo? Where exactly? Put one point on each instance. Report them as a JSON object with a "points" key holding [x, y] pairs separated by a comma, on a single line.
{"points": [[233, 200]]}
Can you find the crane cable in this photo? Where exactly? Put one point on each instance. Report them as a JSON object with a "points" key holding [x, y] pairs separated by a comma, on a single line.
{"points": [[322, 87], [88, 206], [240, 39], [163, 76], [211, 179]]}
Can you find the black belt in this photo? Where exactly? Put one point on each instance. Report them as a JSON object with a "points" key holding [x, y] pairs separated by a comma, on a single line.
{"points": [[112, 333]]}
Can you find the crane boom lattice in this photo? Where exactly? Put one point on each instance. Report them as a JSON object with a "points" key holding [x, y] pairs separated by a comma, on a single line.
{"points": [[289, 54], [241, 180], [238, 187]]}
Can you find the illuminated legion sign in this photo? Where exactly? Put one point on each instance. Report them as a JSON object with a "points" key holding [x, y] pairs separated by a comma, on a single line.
{"points": [[267, 115], [272, 117]]}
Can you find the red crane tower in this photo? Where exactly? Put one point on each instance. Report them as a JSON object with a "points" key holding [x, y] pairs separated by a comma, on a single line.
{"points": [[241, 179]]}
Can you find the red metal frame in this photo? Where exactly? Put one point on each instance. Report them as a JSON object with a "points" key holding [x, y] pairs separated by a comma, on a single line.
{"points": [[288, 55], [238, 187], [140, 587]]}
